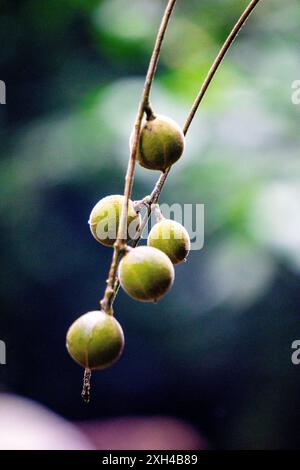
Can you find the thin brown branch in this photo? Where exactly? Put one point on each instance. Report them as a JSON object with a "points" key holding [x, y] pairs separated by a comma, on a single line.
{"points": [[153, 199], [228, 42], [144, 105], [230, 38]]}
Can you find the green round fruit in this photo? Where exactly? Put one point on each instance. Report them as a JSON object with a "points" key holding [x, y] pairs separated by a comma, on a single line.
{"points": [[105, 217], [146, 273], [171, 238], [161, 143], [95, 340]]}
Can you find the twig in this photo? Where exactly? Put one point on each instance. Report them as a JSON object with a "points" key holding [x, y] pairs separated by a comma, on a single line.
{"points": [[144, 106], [153, 198], [230, 38], [210, 75]]}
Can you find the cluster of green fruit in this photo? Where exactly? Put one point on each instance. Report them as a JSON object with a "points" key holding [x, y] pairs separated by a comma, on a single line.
{"points": [[146, 273]]}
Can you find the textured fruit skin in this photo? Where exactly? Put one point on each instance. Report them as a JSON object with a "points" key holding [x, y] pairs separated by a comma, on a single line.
{"points": [[161, 143], [109, 208], [172, 238], [146, 273], [95, 340]]}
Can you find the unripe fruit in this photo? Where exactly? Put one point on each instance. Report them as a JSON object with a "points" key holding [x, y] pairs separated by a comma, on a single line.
{"points": [[146, 273], [95, 340], [105, 217], [171, 238], [161, 143]]}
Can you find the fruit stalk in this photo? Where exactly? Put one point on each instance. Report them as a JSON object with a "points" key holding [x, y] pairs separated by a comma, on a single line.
{"points": [[144, 106]]}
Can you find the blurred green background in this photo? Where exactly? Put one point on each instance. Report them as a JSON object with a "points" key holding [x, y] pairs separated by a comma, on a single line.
{"points": [[216, 352]]}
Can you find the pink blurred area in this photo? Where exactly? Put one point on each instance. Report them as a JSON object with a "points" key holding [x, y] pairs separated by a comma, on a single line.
{"points": [[143, 433], [27, 425]]}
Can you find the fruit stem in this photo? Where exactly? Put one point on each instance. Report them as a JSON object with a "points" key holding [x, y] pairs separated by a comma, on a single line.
{"points": [[157, 213], [150, 115], [144, 106], [138, 205], [86, 388]]}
